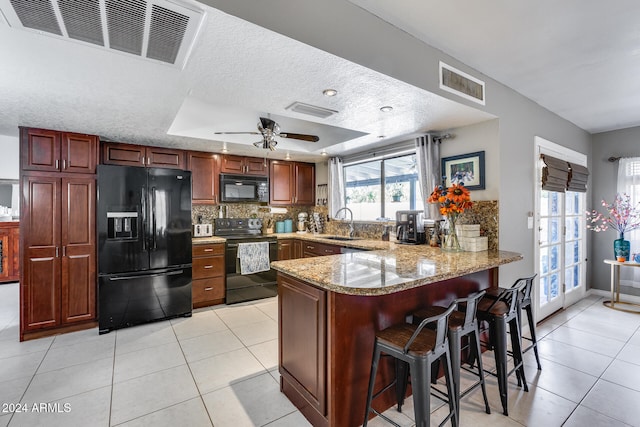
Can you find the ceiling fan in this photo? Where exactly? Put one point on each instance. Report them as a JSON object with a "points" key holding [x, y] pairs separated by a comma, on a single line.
{"points": [[269, 131]]}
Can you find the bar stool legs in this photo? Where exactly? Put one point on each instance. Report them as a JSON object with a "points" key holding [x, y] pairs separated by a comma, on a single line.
{"points": [[532, 330], [418, 348]]}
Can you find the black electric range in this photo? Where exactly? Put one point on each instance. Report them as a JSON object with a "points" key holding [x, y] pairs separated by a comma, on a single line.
{"points": [[246, 287]]}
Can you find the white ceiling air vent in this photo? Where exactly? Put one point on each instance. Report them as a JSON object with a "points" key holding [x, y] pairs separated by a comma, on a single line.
{"points": [[311, 110], [462, 84], [160, 30]]}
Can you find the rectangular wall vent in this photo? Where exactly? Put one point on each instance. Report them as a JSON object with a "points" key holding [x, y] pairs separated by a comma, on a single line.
{"points": [[311, 110], [462, 84], [161, 30]]}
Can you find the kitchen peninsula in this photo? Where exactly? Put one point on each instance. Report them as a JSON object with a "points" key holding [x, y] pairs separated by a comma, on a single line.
{"points": [[330, 308]]}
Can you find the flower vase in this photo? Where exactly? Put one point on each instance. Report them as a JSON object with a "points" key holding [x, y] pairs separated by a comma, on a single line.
{"points": [[451, 242], [621, 248]]}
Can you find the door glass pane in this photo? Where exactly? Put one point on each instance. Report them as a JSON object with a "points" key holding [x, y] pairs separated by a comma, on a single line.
{"points": [[544, 290], [544, 260], [554, 230], [544, 231], [362, 187], [554, 257], [555, 285], [554, 203]]}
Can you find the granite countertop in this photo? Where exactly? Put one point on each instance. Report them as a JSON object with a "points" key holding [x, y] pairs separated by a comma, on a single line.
{"points": [[394, 269], [359, 243]]}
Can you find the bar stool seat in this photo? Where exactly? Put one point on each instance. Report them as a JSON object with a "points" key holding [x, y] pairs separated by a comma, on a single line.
{"points": [[461, 324], [500, 312], [417, 347]]}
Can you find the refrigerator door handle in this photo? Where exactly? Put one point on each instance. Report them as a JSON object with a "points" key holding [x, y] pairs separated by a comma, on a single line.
{"points": [[170, 273], [154, 230], [143, 203]]}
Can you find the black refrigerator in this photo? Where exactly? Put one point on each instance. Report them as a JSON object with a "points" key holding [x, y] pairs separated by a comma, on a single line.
{"points": [[144, 245]]}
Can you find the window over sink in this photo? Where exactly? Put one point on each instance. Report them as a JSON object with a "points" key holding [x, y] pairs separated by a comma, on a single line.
{"points": [[377, 189]]}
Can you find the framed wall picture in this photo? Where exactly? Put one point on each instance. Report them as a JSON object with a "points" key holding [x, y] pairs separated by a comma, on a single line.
{"points": [[467, 169]]}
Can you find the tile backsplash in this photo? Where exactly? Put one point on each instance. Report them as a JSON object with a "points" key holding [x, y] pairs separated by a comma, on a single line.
{"points": [[484, 213]]}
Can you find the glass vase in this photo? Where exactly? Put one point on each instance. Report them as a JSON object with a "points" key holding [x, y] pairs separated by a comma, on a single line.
{"points": [[451, 242], [621, 248]]}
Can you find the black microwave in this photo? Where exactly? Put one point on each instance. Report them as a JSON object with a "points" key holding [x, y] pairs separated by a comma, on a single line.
{"points": [[242, 188]]}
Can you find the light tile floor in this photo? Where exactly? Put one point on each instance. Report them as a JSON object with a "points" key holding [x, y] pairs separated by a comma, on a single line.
{"points": [[219, 368]]}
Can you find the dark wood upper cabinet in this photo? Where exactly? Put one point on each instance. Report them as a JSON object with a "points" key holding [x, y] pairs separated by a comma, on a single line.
{"points": [[240, 165], [204, 177], [115, 153], [291, 183], [53, 151]]}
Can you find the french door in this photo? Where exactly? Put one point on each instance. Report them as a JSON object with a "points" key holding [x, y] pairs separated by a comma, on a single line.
{"points": [[560, 237]]}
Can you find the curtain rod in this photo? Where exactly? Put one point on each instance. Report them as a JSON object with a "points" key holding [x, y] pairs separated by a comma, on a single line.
{"points": [[614, 159]]}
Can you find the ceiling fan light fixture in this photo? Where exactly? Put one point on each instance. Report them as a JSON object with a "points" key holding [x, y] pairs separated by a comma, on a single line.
{"points": [[329, 92]]}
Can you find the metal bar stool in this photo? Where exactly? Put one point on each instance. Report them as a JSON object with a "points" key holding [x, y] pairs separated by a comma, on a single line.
{"points": [[525, 304], [499, 312], [419, 347], [461, 324]]}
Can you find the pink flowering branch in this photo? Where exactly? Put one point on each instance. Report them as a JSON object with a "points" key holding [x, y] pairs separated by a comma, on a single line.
{"points": [[622, 216]]}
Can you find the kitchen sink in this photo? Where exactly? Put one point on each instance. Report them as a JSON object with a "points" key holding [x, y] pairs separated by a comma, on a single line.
{"points": [[342, 238]]}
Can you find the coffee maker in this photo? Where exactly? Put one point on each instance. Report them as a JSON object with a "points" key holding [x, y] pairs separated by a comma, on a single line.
{"points": [[410, 227]]}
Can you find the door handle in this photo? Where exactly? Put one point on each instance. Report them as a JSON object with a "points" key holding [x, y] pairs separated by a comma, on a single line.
{"points": [[208, 250], [153, 217], [64, 164], [57, 163], [206, 267], [64, 251], [208, 289], [56, 252], [170, 273]]}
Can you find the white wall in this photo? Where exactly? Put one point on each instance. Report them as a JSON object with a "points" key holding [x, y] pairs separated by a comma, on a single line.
{"points": [[480, 137], [9, 157], [604, 179]]}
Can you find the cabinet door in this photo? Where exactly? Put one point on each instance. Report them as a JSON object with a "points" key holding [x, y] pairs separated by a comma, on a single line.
{"points": [[255, 166], [303, 343], [305, 178], [165, 158], [78, 250], [39, 150], [114, 153], [280, 182], [79, 153], [204, 177], [40, 285], [285, 249], [297, 249], [15, 254], [232, 164], [5, 258]]}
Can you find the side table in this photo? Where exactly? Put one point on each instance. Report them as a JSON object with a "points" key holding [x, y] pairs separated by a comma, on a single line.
{"points": [[615, 287]]}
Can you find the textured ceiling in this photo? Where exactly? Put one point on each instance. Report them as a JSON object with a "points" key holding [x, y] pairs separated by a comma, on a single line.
{"points": [[236, 72], [579, 59]]}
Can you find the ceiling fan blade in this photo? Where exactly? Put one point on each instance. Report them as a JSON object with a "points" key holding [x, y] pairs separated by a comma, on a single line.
{"points": [[303, 137], [237, 133]]}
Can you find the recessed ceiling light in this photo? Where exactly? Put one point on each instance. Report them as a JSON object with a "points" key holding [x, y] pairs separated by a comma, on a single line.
{"points": [[323, 153], [329, 92], [380, 136], [287, 157], [386, 108], [224, 148]]}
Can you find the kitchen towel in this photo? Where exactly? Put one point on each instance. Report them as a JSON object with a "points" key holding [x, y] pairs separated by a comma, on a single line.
{"points": [[254, 257]]}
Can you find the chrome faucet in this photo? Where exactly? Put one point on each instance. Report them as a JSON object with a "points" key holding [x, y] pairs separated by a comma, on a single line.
{"points": [[351, 220]]}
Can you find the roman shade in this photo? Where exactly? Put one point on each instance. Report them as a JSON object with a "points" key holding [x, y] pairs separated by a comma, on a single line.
{"points": [[555, 174], [577, 178]]}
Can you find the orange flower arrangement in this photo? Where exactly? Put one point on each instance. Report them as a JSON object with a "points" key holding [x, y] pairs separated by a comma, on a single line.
{"points": [[453, 200]]}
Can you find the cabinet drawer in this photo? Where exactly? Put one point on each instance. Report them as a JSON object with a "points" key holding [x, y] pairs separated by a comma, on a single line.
{"points": [[208, 250], [207, 289], [208, 267]]}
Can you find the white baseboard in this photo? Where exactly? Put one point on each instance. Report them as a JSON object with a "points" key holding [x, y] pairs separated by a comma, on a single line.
{"points": [[607, 294]]}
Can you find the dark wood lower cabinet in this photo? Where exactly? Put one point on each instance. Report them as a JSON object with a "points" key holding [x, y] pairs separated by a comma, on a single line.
{"points": [[303, 358], [9, 251], [326, 343], [208, 285]]}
